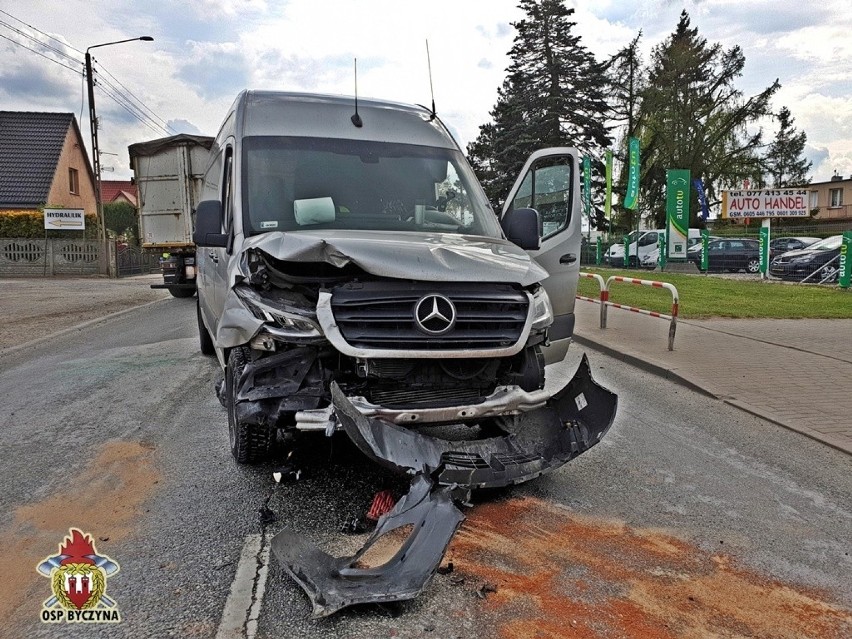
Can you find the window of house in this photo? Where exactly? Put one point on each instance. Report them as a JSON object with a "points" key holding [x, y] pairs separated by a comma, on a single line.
{"points": [[813, 202], [835, 197], [73, 181]]}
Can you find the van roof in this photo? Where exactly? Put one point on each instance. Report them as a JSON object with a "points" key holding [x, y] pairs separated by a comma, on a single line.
{"points": [[329, 116]]}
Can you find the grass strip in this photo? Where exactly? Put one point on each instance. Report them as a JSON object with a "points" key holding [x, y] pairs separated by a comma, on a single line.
{"points": [[707, 296]]}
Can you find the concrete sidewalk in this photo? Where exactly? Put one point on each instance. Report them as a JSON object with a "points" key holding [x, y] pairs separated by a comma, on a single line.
{"points": [[796, 373]]}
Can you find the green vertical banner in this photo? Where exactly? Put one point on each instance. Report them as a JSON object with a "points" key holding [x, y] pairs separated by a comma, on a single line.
{"points": [[627, 250], [677, 211], [846, 260], [705, 244], [661, 245], [764, 248], [631, 197], [587, 188], [608, 194], [598, 251]]}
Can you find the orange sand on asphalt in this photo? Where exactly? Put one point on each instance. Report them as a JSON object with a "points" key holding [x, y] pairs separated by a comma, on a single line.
{"points": [[561, 575], [104, 500]]}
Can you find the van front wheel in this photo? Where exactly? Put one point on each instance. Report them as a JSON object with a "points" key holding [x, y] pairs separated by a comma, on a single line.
{"points": [[249, 442]]}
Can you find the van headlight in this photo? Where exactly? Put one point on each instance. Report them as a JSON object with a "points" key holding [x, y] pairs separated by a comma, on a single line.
{"points": [[542, 310], [278, 313]]}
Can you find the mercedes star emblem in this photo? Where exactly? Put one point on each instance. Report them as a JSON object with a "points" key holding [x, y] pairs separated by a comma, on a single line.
{"points": [[434, 314]]}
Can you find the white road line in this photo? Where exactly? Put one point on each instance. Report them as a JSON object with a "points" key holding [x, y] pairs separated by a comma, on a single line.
{"points": [[242, 608]]}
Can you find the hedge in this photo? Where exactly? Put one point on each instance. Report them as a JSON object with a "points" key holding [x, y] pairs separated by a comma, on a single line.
{"points": [[30, 224]]}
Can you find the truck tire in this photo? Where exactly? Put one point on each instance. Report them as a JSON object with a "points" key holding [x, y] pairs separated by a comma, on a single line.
{"points": [[205, 342], [181, 292], [249, 442]]}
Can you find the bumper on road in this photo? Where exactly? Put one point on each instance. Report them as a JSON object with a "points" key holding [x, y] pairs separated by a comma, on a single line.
{"points": [[530, 444]]}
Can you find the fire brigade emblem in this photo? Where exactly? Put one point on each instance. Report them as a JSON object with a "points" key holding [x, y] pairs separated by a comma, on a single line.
{"points": [[78, 578]]}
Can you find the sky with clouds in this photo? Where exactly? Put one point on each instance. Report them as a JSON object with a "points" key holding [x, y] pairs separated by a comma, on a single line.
{"points": [[205, 51]]}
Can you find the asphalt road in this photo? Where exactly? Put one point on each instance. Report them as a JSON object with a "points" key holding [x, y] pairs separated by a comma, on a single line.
{"points": [[690, 519]]}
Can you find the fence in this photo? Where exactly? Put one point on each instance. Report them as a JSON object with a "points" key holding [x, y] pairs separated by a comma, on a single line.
{"points": [[47, 257], [604, 300], [781, 227], [132, 260], [56, 256]]}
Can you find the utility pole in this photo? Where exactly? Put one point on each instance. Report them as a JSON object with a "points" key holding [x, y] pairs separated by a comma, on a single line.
{"points": [[96, 156], [93, 123]]}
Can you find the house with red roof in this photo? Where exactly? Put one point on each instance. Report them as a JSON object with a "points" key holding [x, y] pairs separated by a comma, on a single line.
{"points": [[118, 191]]}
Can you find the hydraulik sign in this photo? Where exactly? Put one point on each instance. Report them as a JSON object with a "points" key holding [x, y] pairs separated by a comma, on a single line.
{"points": [[64, 219], [765, 203]]}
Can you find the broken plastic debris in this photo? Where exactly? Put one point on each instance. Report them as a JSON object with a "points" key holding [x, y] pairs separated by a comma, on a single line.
{"points": [[267, 515], [354, 526], [382, 504], [485, 589], [333, 583]]}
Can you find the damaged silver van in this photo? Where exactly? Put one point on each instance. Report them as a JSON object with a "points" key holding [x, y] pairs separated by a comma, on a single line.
{"points": [[353, 276]]}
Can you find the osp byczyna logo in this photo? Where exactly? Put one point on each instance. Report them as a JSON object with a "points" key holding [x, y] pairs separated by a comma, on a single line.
{"points": [[78, 579]]}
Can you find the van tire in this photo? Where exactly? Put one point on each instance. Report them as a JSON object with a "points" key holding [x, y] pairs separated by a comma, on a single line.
{"points": [[249, 443], [205, 342], [181, 292]]}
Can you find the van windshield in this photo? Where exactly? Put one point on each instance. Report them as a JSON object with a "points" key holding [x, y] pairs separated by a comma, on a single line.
{"points": [[293, 183]]}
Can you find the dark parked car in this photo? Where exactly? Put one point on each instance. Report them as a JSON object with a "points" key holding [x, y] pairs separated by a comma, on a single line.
{"points": [[729, 255], [821, 256], [783, 244]]}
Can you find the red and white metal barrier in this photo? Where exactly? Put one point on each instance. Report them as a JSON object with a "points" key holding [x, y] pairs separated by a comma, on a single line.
{"points": [[604, 300], [604, 295]]}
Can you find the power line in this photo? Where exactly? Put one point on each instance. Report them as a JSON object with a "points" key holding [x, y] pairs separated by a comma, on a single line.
{"points": [[41, 32], [125, 98], [140, 115], [37, 41], [46, 57], [167, 128], [123, 105]]}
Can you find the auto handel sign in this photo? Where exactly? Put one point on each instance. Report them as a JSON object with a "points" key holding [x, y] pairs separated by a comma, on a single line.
{"points": [[765, 203], [64, 220]]}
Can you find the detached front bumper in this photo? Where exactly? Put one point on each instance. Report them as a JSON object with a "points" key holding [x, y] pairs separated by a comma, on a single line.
{"points": [[530, 444], [542, 439]]}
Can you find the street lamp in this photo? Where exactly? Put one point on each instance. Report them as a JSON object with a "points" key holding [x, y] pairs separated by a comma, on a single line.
{"points": [[93, 123]]}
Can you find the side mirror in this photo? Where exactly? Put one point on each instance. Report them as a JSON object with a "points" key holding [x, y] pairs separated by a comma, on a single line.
{"points": [[523, 227], [208, 225]]}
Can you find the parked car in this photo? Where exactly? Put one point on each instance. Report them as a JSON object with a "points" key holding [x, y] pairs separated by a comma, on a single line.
{"points": [[783, 244], [646, 243], [820, 256], [731, 254]]}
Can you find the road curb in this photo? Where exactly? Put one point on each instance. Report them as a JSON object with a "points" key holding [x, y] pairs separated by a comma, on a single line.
{"points": [[79, 327], [802, 430], [645, 365], [665, 373]]}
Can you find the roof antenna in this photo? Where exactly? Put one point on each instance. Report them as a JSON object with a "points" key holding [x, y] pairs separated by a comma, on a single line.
{"points": [[356, 119], [431, 88]]}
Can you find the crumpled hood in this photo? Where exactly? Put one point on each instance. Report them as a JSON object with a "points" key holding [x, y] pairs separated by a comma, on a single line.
{"points": [[434, 257]]}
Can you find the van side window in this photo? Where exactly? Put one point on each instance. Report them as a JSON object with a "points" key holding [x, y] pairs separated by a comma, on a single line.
{"points": [[212, 179], [547, 189], [227, 191]]}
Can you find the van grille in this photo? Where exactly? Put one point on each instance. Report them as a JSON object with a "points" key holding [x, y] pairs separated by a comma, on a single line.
{"points": [[380, 315]]}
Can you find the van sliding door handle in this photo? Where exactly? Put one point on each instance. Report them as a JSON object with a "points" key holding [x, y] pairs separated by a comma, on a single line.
{"points": [[568, 258]]}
